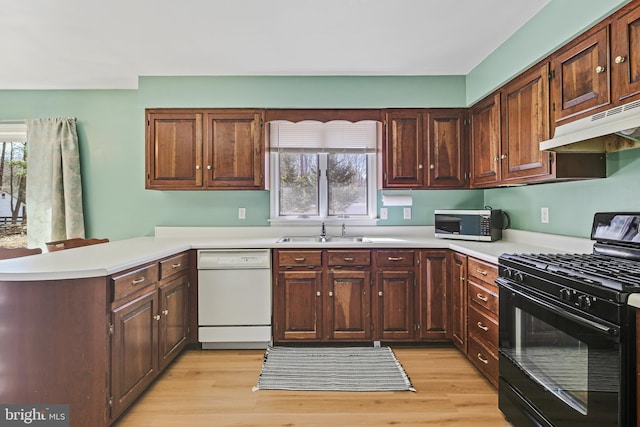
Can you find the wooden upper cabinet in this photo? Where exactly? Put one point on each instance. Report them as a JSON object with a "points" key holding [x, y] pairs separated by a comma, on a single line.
{"points": [[227, 144], [403, 150], [525, 125], [485, 142], [580, 76], [234, 149], [625, 56], [174, 150], [446, 149]]}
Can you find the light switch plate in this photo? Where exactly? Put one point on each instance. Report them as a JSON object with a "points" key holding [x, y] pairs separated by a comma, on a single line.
{"points": [[407, 213], [544, 215], [384, 214], [242, 213]]}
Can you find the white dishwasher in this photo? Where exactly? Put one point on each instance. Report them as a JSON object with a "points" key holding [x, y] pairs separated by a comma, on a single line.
{"points": [[234, 298]]}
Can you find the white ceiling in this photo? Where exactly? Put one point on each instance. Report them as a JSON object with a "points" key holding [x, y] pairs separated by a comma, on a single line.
{"points": [[95, 44]]}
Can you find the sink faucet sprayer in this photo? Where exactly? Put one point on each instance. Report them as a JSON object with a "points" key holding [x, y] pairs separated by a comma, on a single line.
{"points": [[344, 230], [323, 233]]}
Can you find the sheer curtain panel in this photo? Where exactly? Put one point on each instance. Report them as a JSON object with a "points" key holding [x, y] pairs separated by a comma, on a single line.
{"points": [[54, 190]]}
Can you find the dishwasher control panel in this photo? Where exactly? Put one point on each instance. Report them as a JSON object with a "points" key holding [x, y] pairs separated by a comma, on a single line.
{"points": [[234, 259]]}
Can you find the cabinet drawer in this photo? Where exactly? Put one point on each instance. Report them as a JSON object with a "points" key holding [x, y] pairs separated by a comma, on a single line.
{"points": [[485, 296], [482, 271], [307, 259], [484, 359], [483, 326], [174, 265], [347, 258], [132, 281], [395, 258]]}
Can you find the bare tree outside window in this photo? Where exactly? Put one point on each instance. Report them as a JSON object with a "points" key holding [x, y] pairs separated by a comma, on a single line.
{"points": [[13, 184]]}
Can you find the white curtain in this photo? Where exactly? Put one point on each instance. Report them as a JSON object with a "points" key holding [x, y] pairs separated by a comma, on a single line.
{"points": [[54, 190]]}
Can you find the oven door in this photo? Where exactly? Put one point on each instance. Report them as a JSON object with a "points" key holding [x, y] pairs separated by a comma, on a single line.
{"points": [[558, 367]]}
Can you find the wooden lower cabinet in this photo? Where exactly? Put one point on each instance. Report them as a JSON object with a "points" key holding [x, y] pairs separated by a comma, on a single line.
{"points": [[334, 296], [149, 326], [457, 301]]}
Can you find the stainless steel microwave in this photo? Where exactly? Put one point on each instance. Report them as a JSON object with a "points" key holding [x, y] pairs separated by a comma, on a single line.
{"points": [[480, 225]]}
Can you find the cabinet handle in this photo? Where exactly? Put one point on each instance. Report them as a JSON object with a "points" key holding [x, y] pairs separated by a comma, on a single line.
{"points": [[395, 258], [209, 167], [156, 317], [379, 293], [483, 272], [165, 312], [178, 265], [482, 297], [600, 69], [349, 258], [298, 259], [318, 293], [137, 281], [482, 359], [483, 327], [620, 59], [330, 293]]}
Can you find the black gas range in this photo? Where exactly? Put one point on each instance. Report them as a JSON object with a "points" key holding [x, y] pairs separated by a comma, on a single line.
{"points": [[567, 336]]}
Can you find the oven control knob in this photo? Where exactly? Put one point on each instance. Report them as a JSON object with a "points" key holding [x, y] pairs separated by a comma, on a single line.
{"points": [[584, 301], [519, 277], [508, 273], [565, 294]]}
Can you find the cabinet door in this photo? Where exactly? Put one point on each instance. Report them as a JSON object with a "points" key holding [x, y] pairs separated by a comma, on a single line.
{"points": [[625, 54], [349, 305], [298, 306], [446, 159], [173, 317], [234, 149], [433, 299], [134, 349], [581, 77], [458, 301], [174, 150], [403, 150], [395, 305], [526, 124], [485, 142]]}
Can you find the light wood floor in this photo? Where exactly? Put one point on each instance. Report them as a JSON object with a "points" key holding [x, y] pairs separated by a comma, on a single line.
{"points": [[213, 388]]}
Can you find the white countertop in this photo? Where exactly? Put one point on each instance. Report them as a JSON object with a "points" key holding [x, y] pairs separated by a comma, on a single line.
{"points": [[116, 256]]}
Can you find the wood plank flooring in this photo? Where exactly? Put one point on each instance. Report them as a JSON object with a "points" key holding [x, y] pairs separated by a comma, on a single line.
{"points": [[213, 388]]}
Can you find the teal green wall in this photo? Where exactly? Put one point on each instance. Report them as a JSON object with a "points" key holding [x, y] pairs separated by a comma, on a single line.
{"points": [[111, 131]]}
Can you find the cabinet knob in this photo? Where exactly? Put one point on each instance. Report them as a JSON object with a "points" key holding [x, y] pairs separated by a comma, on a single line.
{"points": [[496, 158], [379, 293], [318, 293], [330, 293], [504, 156], [620, 59], [419, 166], [209, 167], [432, 167], [600, 69], [165, 312], [156, 317], [197, 167]]}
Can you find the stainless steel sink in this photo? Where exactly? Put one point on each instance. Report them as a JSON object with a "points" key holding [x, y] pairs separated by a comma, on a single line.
{"points": [[323, 239]]}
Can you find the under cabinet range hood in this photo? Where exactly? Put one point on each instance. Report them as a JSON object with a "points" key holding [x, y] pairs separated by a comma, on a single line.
{"points": [[611, 130]]}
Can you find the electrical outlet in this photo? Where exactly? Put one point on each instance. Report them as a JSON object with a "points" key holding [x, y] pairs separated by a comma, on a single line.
{"points": [[384, 214], [544, 215], [242, 213], [407, 213]]}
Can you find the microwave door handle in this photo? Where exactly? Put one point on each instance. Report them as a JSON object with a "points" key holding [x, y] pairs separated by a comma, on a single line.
{"points": [[555, 310]]}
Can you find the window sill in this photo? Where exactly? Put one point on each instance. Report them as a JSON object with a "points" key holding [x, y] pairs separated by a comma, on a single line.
{"points": [[306, 222]]}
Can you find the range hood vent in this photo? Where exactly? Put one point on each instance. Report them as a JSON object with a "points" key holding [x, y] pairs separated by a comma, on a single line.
{"points": [[611, 130]]}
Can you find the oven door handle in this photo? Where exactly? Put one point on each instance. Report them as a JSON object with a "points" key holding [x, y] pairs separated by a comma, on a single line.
{"points": [[612, 332]]}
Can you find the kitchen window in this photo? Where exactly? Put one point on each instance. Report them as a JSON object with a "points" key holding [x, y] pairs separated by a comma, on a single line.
{"points": [[323, 171]]}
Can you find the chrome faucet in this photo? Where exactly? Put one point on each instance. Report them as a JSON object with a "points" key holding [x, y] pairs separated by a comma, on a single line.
{"points": [[344, 230], [323, 233]]}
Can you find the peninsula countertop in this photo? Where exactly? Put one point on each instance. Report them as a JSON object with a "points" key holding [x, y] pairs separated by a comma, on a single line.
{"points": [[109, 258]]}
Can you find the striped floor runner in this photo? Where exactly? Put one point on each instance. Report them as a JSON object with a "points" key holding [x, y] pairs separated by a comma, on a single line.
{"points": [[334, 369]]}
